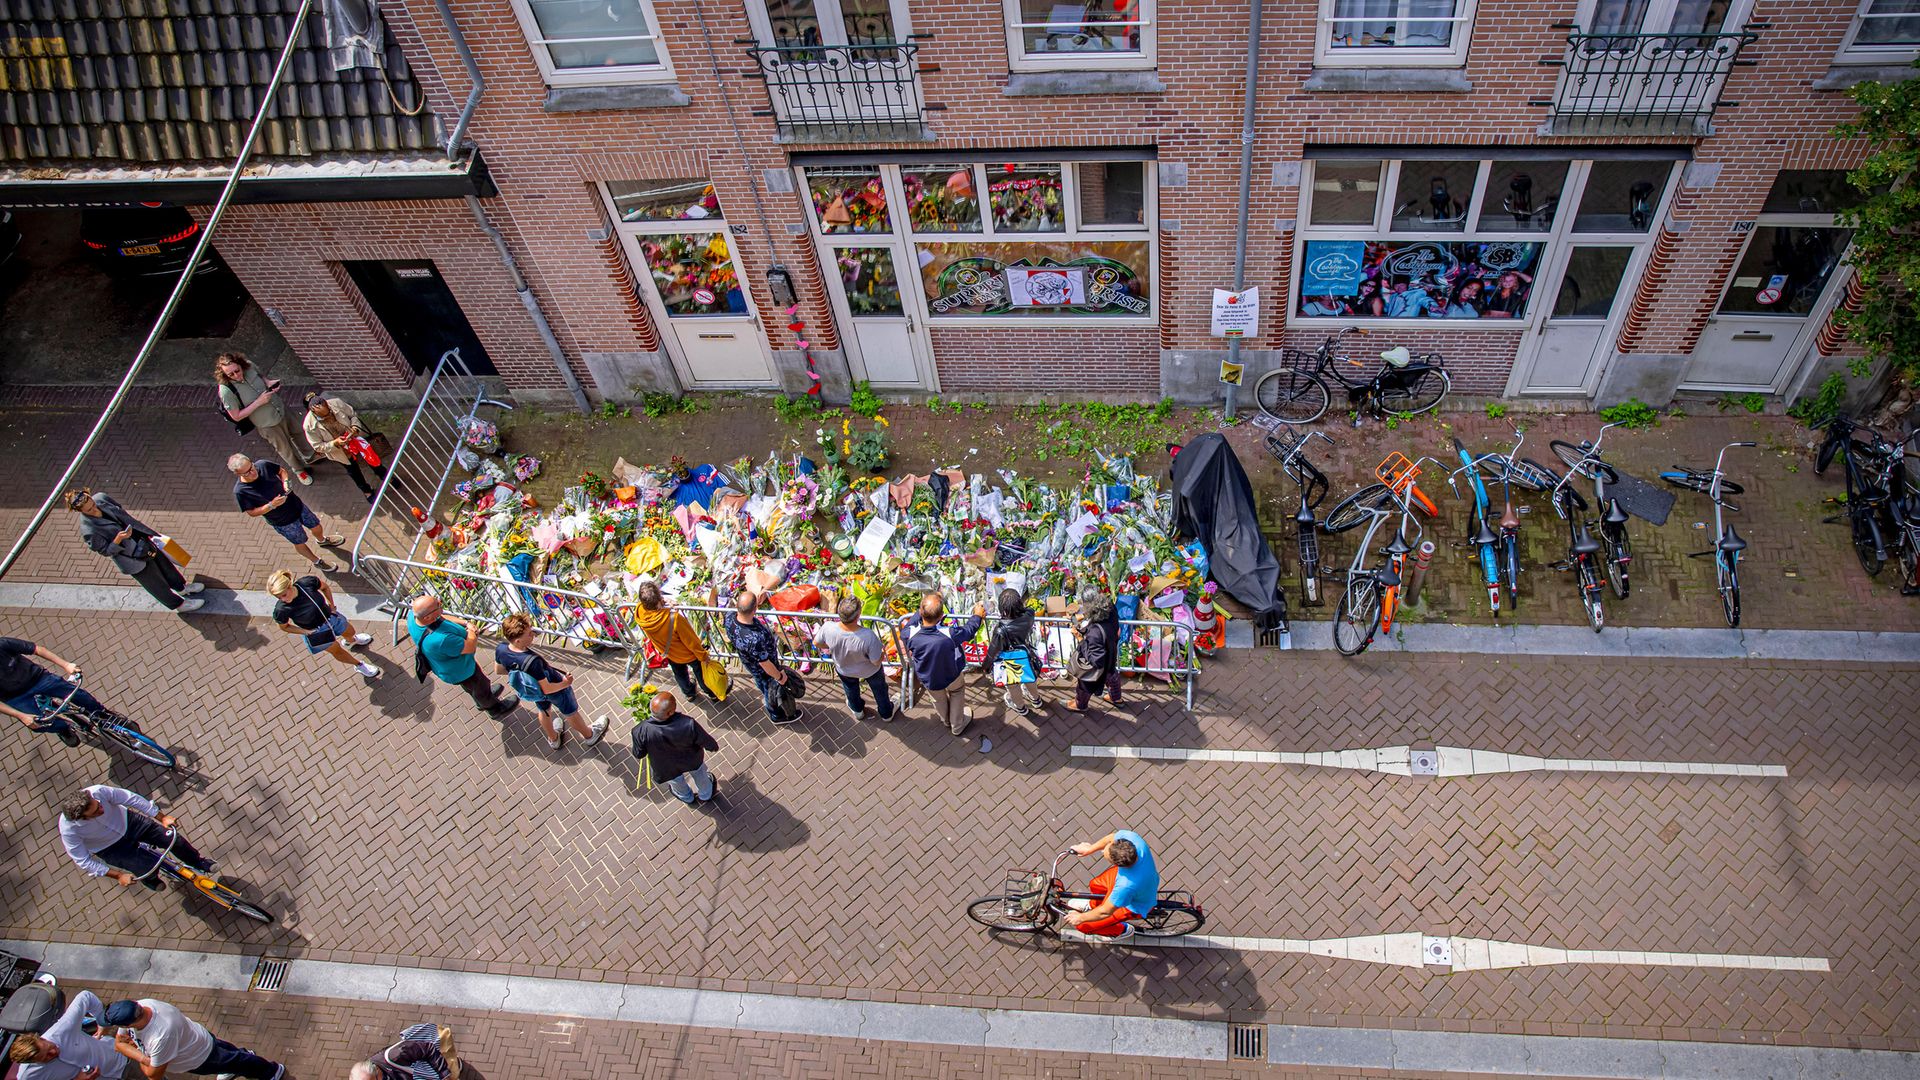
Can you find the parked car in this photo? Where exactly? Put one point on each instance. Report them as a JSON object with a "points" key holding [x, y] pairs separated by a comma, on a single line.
{"points": [[139, 241]]}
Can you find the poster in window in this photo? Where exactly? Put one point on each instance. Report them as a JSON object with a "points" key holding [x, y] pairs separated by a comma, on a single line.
{"points": [[1046, 286], [1043, 278], [1424, 279]]}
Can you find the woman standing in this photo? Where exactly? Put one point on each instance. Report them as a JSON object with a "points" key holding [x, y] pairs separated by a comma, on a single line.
{"points": [[329, 423], [246, 395], [1014, 635], [1099, 633], [129, 542], [674, 636], [540, 683], [305, 606]]}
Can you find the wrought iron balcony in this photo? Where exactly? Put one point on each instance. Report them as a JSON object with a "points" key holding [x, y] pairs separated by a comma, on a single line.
{"points": [[1644, 84], [843, 93]]}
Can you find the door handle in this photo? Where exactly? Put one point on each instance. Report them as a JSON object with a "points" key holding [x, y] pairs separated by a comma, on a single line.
{"points": [[909, 322]]}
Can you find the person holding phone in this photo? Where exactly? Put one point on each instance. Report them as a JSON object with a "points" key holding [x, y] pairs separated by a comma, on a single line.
{"points": [[248, 398], [261, 489]]}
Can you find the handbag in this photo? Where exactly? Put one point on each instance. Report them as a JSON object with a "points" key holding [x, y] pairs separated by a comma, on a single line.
{"points": [[1014, 666], [242, 427], [714, 675], [1077, 666], [327, 631]]}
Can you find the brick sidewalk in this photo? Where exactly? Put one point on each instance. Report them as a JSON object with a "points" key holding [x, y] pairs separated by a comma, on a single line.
{"points": [[838, 855]]}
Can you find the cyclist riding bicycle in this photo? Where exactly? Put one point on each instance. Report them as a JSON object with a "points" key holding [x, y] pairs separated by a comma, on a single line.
{"points": [[22, 682], [1128, 889], [107, 831]]}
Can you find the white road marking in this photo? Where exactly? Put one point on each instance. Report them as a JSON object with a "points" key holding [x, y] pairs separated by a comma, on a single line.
{"points": [[1477, 954], [1453, 761]]}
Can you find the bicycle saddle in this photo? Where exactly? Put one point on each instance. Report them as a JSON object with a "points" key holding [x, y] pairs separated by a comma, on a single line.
{"points": [[1398, 545], [1386, 577], [1304, 515], [1510, 518], [1485, 535], [1584, 543], [1614, 515], [1732, 541]]}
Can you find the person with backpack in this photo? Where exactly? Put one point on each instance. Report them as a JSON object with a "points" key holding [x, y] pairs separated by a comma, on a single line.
{"points": [[1016, 664], [940, 662], [759, 651], [251, 403], [305, 606], [546, 687], [674, 747]]}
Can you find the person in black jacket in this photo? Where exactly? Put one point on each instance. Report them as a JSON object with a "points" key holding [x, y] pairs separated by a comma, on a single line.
{"points": [[111, 531], [1099, 632], [1014, 634], [675, 748]]}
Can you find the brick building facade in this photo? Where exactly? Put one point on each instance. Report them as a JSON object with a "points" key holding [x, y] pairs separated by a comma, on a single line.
{"points": [[1574, 200]]}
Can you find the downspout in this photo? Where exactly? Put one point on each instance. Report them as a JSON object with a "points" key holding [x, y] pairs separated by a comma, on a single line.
{"points": [[1246, 188], [528, 301], [473, 72], [454, 154]]}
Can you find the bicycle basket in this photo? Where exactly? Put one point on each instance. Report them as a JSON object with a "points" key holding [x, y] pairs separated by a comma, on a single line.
{"points": [[1026, 892], [1396, 471]]}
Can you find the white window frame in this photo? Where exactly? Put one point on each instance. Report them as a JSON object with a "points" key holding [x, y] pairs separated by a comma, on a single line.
{"points": [[1325, 54], [1853, 53], [1553, 241], [1018, 59], [555, 75]]}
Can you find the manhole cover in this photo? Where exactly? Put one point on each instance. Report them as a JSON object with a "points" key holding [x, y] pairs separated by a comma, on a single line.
{"points": [[268, 975], [1425, 763]]}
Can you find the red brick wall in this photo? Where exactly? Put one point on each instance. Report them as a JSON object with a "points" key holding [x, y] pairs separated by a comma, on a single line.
{"points": [[1099, 362]]}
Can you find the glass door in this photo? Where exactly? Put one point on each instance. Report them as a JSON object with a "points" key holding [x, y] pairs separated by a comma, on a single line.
{"points": [[1765, 316], [863, 256]]}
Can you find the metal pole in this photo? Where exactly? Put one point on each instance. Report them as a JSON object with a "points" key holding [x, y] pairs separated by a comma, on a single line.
{"points": [[173, 301], [1246, 188], [532, 304]]}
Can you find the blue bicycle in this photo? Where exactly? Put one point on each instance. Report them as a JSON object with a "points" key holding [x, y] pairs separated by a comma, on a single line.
{"points": [[1499, 552], [106, 727], [1727, 544]]}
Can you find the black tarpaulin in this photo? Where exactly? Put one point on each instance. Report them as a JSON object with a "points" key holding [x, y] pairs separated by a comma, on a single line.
{"points": [[1213, 503]]}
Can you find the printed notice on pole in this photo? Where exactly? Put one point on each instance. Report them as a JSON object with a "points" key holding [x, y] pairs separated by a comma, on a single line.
{"points": [[1236, 314]]}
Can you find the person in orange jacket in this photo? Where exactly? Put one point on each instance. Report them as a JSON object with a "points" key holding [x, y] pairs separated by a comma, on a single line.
{"points": [[674, 636]]}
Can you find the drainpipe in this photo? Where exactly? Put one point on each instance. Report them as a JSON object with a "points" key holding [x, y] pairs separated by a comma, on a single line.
{"points": [[473, 72], [1246, 187], [528, 301]]}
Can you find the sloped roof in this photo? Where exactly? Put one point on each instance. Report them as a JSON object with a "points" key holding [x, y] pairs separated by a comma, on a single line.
{"points": [[156, 83]]}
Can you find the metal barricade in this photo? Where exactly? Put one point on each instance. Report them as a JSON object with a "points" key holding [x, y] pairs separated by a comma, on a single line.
{"points": [[795, 630], [1168, 651]]}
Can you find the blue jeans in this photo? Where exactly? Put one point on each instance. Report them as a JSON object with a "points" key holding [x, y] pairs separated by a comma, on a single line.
{"points": [[687, 784], [769, 693], [228, 1058], [53, 686], [876, 682]]}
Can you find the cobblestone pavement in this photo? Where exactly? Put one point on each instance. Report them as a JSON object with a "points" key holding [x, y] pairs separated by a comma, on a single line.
{"points": [[394, 825]]}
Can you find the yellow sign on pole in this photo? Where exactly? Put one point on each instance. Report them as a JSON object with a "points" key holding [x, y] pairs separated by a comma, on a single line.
{"points": [[1230, 373]]}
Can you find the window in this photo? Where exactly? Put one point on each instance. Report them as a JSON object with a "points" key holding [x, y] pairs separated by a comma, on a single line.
{"points": [[1811, 191], [1784, 270], [1393, 33], [1883, 32], [1045, 35], [1464, 240], [664, 200], [1020, 240], [590, 42]]}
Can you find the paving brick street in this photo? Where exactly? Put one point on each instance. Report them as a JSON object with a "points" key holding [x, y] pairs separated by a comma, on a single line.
{"points": [[394, 825]]}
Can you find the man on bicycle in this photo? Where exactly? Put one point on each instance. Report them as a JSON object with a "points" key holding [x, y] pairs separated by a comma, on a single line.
{"points": [[1128, 889], [22, 682], [107, 831]]}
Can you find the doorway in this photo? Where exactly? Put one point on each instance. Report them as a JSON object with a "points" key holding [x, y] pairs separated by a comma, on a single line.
{"points": [[677, 240], [1781, 287], [413, 303]]}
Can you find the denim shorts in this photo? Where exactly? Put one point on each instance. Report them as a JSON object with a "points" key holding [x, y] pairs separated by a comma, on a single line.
{"points": [[562, 700], [296, 531]]}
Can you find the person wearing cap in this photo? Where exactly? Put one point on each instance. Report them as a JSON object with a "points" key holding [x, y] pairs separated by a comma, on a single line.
{"points": [[110, 531], [328, 425], [159, 1038], [67, 1050]]}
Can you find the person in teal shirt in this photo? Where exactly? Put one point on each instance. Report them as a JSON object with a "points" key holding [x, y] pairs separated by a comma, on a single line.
{"points": [[449, 646], [1128, 890]]}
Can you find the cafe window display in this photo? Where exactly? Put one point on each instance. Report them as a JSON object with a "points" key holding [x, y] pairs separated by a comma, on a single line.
{"points": [[849, 200], [1458, 239], [1075, 278]]}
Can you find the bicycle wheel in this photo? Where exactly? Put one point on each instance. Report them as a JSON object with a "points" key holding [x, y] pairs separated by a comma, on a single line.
{"points": [[1590, 594], [1618, 556], [1729, 591], [137, 744], [1909, 559], [1291, 396], [1171, 918], [1415, 393], [1353, 510], [1571, 456], [1357, 617], [995, 913], [234, 902], [1511, 564], [1867, 545]]}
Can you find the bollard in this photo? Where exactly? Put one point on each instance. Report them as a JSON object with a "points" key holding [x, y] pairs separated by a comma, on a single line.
{"points": [[1422, 558]]}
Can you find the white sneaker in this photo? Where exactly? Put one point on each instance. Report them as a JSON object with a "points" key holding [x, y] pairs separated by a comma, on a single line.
{"points": [[1080, 903], [554, 743], [360, 641], [192, 587], [599, 730], [194, 604], [367, 670]]}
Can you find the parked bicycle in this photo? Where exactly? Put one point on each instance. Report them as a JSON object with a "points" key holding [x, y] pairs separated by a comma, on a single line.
{"points": [[1290, 447], [171, 868], [1727, 545], [105, 727], [1296, 392], [1371, 596], [1881, 505], [1583, 551], [1035, 902], [1499, 552], [1584, 460]]}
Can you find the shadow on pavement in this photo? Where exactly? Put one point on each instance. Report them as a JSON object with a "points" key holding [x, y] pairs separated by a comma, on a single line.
{"points": [[747, 819]]}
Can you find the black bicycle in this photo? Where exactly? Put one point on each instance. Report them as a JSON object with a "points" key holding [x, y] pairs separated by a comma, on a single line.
{"points": [[1296, 392], [1880, 504], [1584, 459], [106, 727], [1290, 447], [1727, 545]]}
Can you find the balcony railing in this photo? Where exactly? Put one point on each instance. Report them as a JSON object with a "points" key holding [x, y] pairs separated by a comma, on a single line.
{"points": [[843, 93], [1644, 84]]}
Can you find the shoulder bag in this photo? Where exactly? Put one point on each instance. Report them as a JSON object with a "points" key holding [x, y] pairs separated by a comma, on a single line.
{"points": [[335, 625], [243, 427]]}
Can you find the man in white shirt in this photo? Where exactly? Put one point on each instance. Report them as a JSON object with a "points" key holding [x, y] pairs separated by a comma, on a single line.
{"points": [[102, 828], [158, 1037], [65, 1051]]}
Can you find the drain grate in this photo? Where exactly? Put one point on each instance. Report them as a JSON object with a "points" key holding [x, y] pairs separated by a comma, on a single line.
{"points": [[1249, 1042], [268, 975]]}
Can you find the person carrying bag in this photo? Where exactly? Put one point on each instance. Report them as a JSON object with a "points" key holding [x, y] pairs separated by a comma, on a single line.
{"points": [[136, 550], [305, 606], [1013, 655]]}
